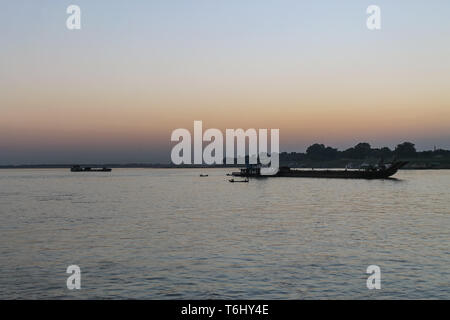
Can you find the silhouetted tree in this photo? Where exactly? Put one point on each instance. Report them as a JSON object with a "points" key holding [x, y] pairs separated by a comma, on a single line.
{"points": [[363, 150], [320, 152], [360, 151], [384, 153], [405, 149]]}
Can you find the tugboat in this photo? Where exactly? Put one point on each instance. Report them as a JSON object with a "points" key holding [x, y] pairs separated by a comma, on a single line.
{"points": [[78, 168], [371, 172]]}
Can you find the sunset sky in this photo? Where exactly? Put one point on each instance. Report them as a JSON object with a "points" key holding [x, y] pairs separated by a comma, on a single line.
{"points": [[116, 89]]}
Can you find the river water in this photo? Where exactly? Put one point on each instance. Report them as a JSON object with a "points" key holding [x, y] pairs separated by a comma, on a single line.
{"points": [[170, 234]]}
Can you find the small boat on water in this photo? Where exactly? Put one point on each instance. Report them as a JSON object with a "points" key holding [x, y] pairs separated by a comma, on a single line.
{"points": [[89, 169], [232, 180], [371, 172]]}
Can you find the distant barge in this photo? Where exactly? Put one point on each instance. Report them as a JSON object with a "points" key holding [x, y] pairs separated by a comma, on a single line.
{"points": [[89, 169], [378, 172]]}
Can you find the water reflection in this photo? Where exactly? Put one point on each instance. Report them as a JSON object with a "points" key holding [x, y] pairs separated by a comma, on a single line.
{"points": [[154, 233]]}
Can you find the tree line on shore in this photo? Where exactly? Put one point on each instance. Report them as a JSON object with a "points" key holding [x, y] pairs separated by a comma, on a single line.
{"points": [[363, 150]]}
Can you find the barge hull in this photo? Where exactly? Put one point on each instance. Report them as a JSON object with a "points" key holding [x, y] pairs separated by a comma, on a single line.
{"points": [[330, 174]]}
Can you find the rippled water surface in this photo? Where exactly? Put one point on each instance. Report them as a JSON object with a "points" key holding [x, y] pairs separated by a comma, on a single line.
{"points": [[169, 234]]}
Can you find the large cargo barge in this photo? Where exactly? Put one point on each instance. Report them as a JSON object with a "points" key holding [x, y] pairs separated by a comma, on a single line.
{"points": [[372, 172]]}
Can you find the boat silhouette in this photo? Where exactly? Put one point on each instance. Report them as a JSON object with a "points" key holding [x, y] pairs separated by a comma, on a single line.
{"points": [[232, 180], [370, 172], [78, 168]]}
